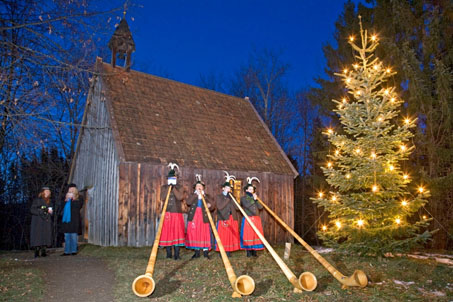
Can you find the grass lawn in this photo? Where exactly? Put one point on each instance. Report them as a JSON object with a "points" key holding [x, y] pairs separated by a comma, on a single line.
{"points": [[393, 279], [18, 280], [206, 280]]}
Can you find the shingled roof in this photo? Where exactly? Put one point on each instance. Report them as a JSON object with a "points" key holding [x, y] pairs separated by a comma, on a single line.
{"points": [[158, 120]]}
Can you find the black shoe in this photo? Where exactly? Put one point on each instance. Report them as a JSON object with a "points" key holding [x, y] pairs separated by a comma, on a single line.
{"points": [[228, 254], [254, 253], [249, 253], [73, 254], [65, 254], [177, 253], [43, 252], [206, 254], [36, 252], [168, 248], [196, 255]]}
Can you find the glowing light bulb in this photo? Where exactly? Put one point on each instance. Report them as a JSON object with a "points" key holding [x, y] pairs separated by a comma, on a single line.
{"points": [[355, 66], [344, 100], [345, 70], [338, 224], [380, 119], [424, 217], [391, 167], [348, 80], [334, 198], [337, 152], [320, 194], [359, 92], [360, 222], [398, 221], [404, 203], [421, 189], [375, 188], [373, 38], [403, 148], [373, 155], [405, 176], [407, 121], [392, 100], [388, 70], [348, 176], [324, 228], [357, 151], [376, 67], [351, 38], [330, 131], [329, 164], [386, 92]]}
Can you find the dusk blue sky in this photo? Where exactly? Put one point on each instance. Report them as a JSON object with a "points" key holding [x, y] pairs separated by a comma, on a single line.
{"points": [[185, 39]]}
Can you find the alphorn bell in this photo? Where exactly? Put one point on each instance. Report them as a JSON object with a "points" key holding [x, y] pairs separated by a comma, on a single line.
{"points": [[144, 285], [358, 278], [242, 285], [307, 281]]}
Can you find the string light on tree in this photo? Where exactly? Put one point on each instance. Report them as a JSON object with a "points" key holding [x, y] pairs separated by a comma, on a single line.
{"points": [[373, 144]]}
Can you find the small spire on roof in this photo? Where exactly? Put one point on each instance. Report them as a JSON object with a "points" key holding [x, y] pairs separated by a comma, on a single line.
{"points": [[122, 43]]}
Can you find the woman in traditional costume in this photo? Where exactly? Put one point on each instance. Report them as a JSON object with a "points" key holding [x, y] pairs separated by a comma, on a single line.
{"points": [[249, 239], [173, 227], [227, 215], [198, 235]]}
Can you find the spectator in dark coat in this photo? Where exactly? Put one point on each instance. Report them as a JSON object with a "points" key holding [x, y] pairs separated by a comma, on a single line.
{"points": [[41, 223], [71, 220]]}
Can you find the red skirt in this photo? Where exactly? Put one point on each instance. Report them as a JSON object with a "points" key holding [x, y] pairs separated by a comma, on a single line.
{"points": [[198, 233], [229, 234], [249, 239], [172, 230]]}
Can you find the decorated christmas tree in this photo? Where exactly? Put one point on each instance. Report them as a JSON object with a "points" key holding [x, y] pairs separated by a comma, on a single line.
{"points": [[372, 204]]}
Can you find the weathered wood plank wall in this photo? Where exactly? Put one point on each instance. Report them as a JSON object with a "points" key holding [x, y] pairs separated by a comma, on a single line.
{"points": [[139, 192], [97, 165]]}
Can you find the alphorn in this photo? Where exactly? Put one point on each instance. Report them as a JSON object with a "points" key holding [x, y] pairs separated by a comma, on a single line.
{"points": [[242, 285], [306, 281], [358, 278], [144, 285]]}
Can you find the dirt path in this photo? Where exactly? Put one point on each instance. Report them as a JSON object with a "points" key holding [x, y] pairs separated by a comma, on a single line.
{"points": [[75, 278]]}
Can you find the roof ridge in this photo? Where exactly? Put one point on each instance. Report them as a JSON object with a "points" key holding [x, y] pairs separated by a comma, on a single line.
{"points": [[176, 81]]}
